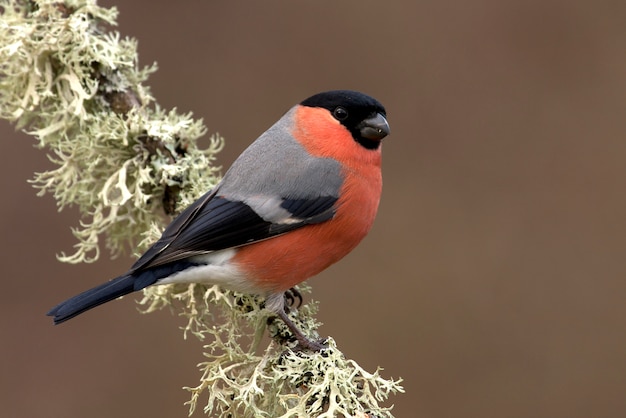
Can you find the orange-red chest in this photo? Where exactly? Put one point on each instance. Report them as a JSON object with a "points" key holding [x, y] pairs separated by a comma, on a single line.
{"points": [[280, 263]]}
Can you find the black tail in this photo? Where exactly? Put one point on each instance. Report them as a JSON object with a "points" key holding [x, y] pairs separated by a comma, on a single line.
{"points": [[91, 298]]}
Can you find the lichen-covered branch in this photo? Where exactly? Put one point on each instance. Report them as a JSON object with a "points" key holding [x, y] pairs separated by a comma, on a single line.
{"points": [[243, 378], [77, 88], [69, 80]]}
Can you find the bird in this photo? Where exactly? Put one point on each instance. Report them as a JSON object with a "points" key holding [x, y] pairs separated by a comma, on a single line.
{"points": [[297, 200]]}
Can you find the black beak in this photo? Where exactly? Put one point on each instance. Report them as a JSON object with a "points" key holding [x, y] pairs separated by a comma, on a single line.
{"points": [[374, 128]]}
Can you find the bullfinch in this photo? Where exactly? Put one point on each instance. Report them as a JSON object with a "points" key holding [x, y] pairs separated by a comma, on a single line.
{"points": [[297, 200]]}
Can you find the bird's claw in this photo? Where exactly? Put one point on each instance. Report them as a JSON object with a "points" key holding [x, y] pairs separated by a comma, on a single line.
{"points": [[304, 343], [290, 298]]}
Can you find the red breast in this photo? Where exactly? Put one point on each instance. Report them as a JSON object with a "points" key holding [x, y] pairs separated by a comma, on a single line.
{"points": [[280, 263]]}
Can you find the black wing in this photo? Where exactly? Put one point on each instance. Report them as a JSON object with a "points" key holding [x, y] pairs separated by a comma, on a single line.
{"points": [[215, 223]]}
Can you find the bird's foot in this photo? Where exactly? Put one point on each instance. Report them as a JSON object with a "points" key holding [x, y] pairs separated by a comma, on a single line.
{"points": [[291, 296], [304, 343]]}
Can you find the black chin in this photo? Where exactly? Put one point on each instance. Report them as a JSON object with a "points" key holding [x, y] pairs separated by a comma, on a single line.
{"points": [[370, 144]]}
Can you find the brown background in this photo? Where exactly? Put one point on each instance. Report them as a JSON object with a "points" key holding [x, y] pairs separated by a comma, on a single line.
{"points": [[494, 279]]}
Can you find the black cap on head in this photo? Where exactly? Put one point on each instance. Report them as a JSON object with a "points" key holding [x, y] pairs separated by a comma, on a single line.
{"points": [[361, 114]]}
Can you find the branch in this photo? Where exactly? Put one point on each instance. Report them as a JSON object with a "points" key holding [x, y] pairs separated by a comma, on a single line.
{"points": [[70, 81], [77, 88]]}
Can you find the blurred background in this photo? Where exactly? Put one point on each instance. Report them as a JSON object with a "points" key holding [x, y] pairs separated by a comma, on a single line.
{"points": [[494, 279]]}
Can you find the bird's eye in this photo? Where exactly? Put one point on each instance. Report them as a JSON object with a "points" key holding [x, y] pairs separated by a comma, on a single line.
{"points": [[340, 113]]}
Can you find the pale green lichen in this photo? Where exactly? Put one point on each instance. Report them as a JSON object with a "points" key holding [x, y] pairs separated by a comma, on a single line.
{"points": [[78, 89], [243, 378], [73, 84]]}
